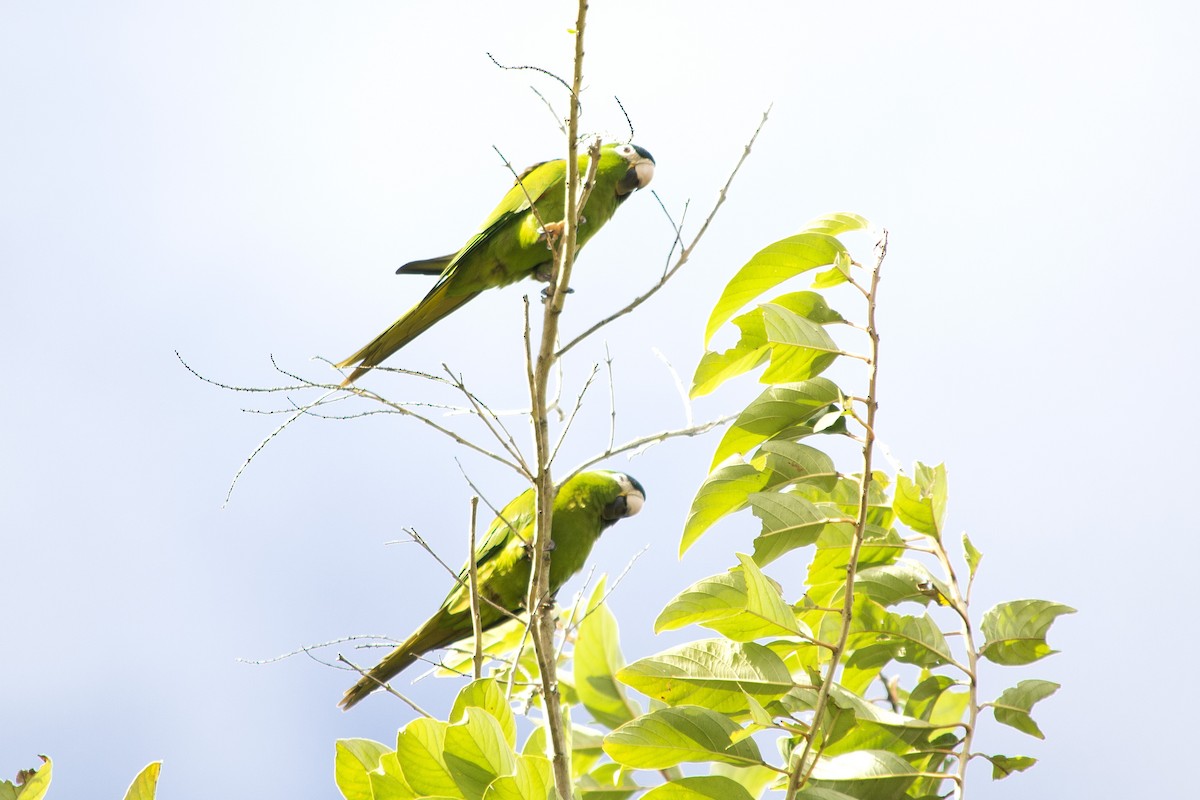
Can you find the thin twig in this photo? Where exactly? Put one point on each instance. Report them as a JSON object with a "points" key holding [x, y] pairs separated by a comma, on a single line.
{"points": [[387, 687], [464, 582], [578, 404], [679, 387], [476, 619], [612, 399], [642, 442]]}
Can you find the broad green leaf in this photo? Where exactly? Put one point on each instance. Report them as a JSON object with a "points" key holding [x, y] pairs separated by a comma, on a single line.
{"points": [[768, 268], [1003, 766], [792, 462], [800, 349], [706, 602], [145, 784], [755, 780], [1013, 705], [777, 411], [387, 780], [716, 368], [837, 223], [920, 501], [827, 571], [911, 640], [723, 492], [34, 783], [533, 780], [973, 556], [488, 695], [865, 774], [714, 673], [353, 760], [597, 659], [671, 736], [789, 521], [419, 748], [723, 603], [839, 273], [477, 753], [852, 723], [932, 700], [765, 603], [608, 781], [1015, 632], [904, 581], [700, 787]]}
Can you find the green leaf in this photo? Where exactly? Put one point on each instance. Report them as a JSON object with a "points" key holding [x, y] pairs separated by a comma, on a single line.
{"points": [[387, 780], [353, 760], [779, 410], [800, 349], [723, 492], [789, 521], [904, 581], [768, 268], [724, 604], [838, 274], [755, 780], [34, 783], [487, 694], [419, 748], [714, 673], [1003, 766], [671, 736], [865, 774], [477, 753], [910, 640], [920, 501], [533, 780], [700, 787], [597, 657], [932, 701], [1013, 705], [792, 462], [765, 603], [1015, 632], [837, 223], [973, 556], [608, 781], [145, 784]]}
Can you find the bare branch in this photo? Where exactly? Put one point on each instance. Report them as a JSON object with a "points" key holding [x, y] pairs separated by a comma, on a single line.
{"points": [[387, 687], [476, 619]]}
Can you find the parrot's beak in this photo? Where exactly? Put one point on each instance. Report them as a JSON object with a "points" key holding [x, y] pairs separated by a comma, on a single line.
{"points": [[638, 176], [628, 502]]}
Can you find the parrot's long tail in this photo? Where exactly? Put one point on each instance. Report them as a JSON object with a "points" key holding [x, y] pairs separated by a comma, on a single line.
{"points": [[439, 631], [418, 319]]}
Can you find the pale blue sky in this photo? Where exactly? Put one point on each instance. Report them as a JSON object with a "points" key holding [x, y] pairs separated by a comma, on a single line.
{"points": [[240, 179]]}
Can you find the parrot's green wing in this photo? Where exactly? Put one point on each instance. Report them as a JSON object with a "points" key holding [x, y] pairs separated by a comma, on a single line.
{"points": [[497, 233], [502, 546]]}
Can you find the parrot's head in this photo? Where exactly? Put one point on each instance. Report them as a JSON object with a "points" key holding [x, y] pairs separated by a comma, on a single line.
{"points": [[640, 172], [629, 500]]}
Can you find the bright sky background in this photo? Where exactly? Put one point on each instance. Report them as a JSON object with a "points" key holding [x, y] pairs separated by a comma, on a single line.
{"points": [[239, 179]]}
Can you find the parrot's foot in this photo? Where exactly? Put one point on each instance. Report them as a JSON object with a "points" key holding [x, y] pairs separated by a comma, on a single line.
{"points": [[546, 292], [551, 230], [529, 548]]}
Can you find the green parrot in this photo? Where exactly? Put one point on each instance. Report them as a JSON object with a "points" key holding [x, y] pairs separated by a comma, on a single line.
{"points": [[585, 506], [511, 244]]}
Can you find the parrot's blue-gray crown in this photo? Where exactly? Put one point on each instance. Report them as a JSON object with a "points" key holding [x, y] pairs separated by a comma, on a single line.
{"points": [[644, 153]]}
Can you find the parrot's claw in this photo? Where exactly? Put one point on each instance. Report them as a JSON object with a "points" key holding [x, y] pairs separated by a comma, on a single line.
{"points": [[546, 292], [551, 230]]}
